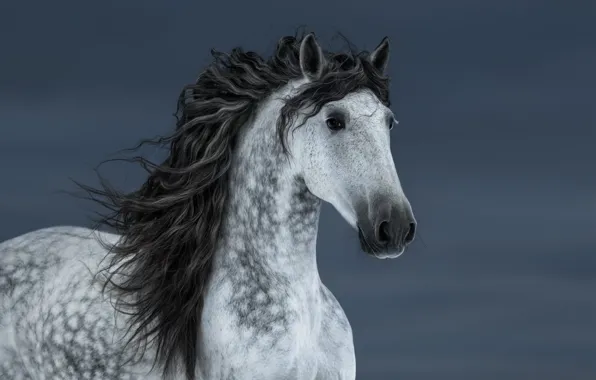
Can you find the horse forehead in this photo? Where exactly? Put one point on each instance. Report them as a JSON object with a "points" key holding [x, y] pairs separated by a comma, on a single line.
{"points": [[363, 103]]}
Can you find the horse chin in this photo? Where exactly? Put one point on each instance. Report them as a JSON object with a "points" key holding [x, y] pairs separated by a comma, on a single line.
{"points": [[381, 253]]}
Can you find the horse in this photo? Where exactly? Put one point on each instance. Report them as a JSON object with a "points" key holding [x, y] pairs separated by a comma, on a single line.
{"points": [[209, 271]]}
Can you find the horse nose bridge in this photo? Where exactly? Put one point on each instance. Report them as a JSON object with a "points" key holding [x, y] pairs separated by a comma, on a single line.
{"points": [[383, 181], [382, 171], [376, 166]]}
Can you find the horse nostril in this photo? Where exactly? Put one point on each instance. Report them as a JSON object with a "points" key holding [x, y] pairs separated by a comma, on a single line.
{"points": [[411, 233], [383, 232]]}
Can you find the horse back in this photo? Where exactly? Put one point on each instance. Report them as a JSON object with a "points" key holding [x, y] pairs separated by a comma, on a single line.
{"points": [[41, 259]]}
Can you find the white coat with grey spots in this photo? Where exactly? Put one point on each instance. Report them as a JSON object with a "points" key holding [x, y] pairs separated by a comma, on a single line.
{"points": [[266, 314]]}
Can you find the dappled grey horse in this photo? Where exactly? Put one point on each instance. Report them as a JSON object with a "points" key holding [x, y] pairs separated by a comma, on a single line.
{"points": [[211, 272]]}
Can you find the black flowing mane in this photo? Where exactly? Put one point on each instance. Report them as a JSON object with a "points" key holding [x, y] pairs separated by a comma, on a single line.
{"points": [[170, 226]]}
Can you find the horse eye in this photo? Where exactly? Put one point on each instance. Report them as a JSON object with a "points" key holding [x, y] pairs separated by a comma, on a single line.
{"points": [[335, 124]]}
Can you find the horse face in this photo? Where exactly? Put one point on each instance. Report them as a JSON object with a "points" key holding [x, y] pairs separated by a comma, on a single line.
{"points": [[344, 157]]}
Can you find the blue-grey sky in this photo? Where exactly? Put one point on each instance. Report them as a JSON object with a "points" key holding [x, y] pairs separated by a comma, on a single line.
{"points": [[495, 149]]}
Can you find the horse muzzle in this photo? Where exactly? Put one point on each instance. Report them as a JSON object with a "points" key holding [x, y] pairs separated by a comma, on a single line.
{"points": [[386, 227]]}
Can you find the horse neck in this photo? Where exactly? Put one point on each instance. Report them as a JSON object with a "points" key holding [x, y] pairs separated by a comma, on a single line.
{"points": [[271, 219]]}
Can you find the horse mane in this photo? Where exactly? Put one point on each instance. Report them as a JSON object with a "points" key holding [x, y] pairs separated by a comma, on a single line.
{"points": [[170, 226]]}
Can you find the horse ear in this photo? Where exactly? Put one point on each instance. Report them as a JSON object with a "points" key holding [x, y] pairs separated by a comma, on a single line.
{"points": [[312, 59], [380, 56]]}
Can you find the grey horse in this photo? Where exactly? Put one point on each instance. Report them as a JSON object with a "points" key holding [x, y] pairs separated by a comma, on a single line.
{"points": [[210, 272]]}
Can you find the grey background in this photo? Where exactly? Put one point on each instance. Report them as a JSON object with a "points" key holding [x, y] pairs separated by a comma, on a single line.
{"points": [[495, 149]]}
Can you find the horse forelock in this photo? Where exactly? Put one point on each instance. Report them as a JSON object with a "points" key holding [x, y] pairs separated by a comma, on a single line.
{"points": [[170, 226]]}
